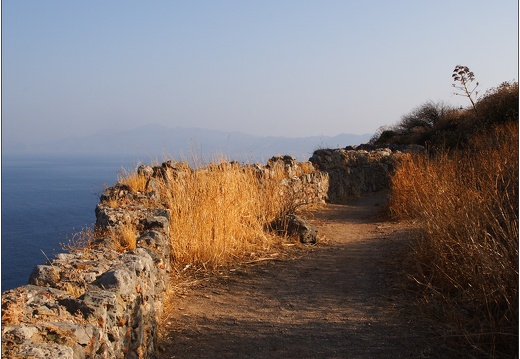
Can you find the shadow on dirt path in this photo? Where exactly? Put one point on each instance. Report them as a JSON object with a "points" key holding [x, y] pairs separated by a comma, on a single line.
{"points": [[342, 299]]}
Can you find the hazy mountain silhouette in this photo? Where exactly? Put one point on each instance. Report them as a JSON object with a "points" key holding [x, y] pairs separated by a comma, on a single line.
{"points": [[154, 141]]}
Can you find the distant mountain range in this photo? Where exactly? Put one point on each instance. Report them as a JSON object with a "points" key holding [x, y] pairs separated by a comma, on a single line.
{"points": [[154, 141]]}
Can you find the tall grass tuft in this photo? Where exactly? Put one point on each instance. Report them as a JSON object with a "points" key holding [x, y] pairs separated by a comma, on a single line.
{"points": [[133, 180], [221, 212], [124, 237], [467, 260]]}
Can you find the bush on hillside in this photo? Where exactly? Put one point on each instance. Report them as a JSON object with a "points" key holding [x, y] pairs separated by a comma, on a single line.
{"points": [[499, 105], [416, 127], [440, 125]]}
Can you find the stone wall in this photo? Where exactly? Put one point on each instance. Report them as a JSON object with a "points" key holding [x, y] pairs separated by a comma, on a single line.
{"points": [[303, 184], [97, 303], [354, 171], [102, 302]]}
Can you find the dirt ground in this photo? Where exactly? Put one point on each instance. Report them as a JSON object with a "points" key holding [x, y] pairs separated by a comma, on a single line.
{"points": [[343, 298]]}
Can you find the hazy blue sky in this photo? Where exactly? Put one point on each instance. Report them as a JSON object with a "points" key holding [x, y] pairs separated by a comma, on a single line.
{"points": [[266, 67]]}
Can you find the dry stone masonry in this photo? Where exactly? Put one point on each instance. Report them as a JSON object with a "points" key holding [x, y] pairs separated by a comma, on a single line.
{"points": [[356, 170], [104, 303]]}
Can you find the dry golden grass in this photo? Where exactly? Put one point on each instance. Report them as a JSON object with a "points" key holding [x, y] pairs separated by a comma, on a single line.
{"points": [[307, 167], [124, 237], [80, 241], [220, 213], [84, 240], [113, 203], [467, 204], [136, 182]]}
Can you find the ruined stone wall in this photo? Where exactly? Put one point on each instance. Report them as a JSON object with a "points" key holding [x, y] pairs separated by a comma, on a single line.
{"points": [[97, 303], [354, 171], [303, 184], [104, 303]]}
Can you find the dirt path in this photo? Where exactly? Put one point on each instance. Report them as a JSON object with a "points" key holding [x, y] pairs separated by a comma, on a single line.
{"points": [[342, 299]]}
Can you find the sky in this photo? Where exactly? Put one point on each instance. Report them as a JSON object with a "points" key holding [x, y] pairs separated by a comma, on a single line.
{"points": [[267, 67]]}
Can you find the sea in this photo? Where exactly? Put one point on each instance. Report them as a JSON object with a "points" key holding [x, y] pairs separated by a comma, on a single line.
{"points": [[45, 200]]}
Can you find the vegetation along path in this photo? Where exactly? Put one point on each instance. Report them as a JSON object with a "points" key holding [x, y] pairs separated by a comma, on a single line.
{"points": [[344, 298]]}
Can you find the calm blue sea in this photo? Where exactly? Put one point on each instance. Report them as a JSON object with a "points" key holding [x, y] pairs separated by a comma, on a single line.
{"points": [[44, 201]]}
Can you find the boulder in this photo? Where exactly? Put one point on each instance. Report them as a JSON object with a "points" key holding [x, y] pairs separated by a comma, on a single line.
{"points": [[297, 226]]}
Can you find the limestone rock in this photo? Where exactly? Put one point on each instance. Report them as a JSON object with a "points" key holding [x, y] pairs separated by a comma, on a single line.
{"points": [[119, 280], [44, 275]]}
